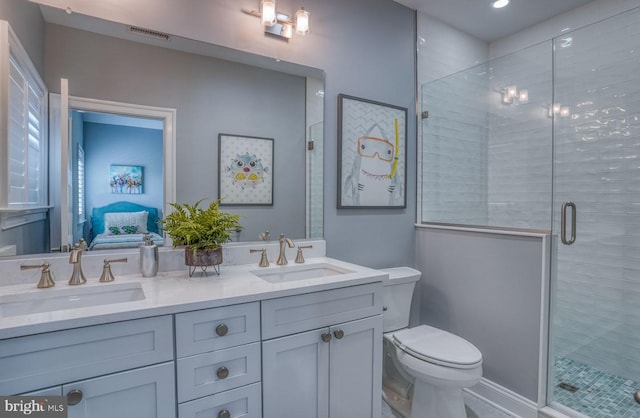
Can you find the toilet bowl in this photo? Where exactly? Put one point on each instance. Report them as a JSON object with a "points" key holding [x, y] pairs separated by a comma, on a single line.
{"points": [[425, 368]]}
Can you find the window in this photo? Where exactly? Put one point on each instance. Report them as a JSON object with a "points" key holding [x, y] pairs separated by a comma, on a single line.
{"points": [[24, 169]]}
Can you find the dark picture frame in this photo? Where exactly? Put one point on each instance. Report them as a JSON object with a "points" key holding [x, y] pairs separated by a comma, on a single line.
{"points": [[372, 154]]}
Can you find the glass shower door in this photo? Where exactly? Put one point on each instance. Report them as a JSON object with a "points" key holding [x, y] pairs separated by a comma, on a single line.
{"points": [[595, 325]]}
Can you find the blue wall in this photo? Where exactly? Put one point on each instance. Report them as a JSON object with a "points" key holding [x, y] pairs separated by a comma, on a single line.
{"points": [[124, 145]]}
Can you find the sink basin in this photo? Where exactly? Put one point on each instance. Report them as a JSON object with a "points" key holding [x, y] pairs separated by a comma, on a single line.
{"points": [[48, 300], [299, 272]]}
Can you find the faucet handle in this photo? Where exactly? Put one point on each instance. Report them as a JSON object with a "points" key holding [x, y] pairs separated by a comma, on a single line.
{"points": [[46, 277], [107, 275], [264, 261], [264, 236], [299, 256]]}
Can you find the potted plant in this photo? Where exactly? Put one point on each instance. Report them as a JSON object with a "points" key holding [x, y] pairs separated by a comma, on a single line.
{"points": [[201, 231]]}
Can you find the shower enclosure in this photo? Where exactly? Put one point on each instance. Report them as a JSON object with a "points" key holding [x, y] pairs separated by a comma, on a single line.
{"points": [[548, 138]]}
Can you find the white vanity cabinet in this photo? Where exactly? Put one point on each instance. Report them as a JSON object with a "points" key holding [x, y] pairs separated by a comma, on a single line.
{"points": [[219, 363], [322, 354], [122, 369]]}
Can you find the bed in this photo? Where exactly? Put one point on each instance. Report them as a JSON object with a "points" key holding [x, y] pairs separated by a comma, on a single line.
{"points": [[123, 225]]}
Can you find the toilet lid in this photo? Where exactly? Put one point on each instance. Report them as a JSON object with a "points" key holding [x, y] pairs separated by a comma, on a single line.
{"points": [[437, 346]]}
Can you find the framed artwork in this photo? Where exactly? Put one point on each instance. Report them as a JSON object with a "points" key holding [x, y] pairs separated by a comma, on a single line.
{"points": [[246, 170], [125, 179], [372, 154]]}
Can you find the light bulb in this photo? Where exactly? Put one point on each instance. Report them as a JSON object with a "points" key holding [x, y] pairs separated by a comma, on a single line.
{"points": [[523, 96], [302, 21], [268, 12]]}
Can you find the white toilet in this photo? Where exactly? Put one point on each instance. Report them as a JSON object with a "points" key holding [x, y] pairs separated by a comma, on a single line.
{"points": [[424, 368]]}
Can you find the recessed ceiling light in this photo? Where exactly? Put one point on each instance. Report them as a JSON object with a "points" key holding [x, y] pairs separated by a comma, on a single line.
{"points": [[499, 4]]}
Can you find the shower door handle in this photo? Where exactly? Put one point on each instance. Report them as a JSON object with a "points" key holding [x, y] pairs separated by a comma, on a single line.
{"points": [[563, 223]]}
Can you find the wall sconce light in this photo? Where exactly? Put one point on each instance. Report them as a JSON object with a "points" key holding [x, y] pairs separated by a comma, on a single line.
{"points": [[511, 95], [268, 12], [279, 24], [302, 22], [559, 110]]}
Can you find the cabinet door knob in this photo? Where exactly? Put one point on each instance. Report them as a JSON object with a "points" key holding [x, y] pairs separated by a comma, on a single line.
{"points": [[74, 397], [338, 334], [222, 330], [326, 337], [222, 372], [224, 414]]}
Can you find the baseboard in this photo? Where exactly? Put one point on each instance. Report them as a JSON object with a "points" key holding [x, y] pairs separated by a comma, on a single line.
{"points": [[504, 399]]}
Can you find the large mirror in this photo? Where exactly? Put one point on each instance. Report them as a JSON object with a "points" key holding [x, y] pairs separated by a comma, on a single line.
{"points": [[213, 90]]}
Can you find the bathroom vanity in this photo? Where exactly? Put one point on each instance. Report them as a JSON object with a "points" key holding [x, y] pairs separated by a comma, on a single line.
{"points": [[283, 341]]}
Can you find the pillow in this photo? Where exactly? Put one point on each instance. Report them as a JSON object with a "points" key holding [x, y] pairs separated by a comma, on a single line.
{"points": [[122, 230], [118, 220]]}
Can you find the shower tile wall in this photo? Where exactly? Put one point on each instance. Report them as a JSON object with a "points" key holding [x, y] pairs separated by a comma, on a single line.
{"points": [[485, 162], [520, 149], [454, 169], [597, 320]]}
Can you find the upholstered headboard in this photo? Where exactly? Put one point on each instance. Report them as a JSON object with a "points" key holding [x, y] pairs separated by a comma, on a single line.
{"points": [[97, 215]]}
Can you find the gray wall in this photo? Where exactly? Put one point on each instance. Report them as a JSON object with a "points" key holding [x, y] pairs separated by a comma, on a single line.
{"points": [[27, 22], [211, 96], [368, 52], [487, 289]]}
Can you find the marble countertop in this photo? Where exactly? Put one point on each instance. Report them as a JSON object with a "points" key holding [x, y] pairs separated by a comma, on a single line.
{"points": [[174, 291]]}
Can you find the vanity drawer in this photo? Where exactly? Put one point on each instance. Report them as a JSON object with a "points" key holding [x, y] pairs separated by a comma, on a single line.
{"points": [[37, 361], [204, 374], [245, 402], [212, 329], [292, 314]]}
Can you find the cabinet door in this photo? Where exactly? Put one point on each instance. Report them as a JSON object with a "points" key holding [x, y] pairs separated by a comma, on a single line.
{"points": [[295, 376], [148, 392], [355, 372]]}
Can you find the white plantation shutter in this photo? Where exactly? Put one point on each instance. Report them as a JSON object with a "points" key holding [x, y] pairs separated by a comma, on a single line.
{"points": [[80, 202], [26, 145]]}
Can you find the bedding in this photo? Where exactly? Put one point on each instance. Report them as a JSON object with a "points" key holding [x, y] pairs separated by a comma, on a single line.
{"points": [[123, 225], [109, 241]]}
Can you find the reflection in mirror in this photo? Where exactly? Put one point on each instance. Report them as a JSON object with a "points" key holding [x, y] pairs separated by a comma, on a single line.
{"points": [[212, 89], [126, 203]]}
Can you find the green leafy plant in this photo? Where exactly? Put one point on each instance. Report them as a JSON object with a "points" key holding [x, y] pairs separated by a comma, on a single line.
{"points": [[200, 229]]}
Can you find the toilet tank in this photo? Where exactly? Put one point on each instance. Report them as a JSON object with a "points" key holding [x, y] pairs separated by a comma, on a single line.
{"points": [[397, 294]]}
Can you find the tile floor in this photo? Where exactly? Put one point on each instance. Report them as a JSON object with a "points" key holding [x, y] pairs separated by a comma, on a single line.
{"points": [[598, 394], [476, 408]]}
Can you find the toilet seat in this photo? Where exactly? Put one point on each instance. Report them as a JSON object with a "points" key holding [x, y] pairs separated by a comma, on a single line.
{"points": [[438, 347]]}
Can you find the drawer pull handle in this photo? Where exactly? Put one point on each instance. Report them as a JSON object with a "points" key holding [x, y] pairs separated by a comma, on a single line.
{"points": [[222, 372], [224, 414], [74, 397], [326, 337], [222, 330], [338, 334]]}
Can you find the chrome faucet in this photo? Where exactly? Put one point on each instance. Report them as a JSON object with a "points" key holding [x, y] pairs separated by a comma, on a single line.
{"points": [[282, 258], [77, 276]]}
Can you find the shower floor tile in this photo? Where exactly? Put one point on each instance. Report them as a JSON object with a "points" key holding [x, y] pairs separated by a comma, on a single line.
{"points": [[598, 394]]}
